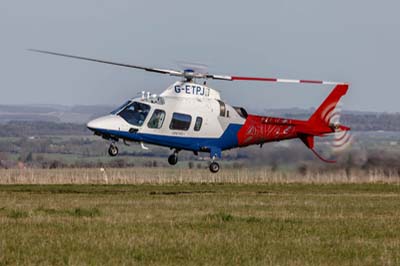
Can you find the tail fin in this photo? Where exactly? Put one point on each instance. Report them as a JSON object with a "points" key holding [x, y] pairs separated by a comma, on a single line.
{"points": [[322, 114], [318, 123]]}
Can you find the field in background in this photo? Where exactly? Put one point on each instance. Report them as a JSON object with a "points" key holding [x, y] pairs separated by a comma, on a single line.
{"points": [[192, 224], [49, 145], [63, 200], [173, 175]]}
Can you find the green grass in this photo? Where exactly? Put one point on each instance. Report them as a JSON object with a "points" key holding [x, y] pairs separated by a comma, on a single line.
{"points": [[206, 224]]}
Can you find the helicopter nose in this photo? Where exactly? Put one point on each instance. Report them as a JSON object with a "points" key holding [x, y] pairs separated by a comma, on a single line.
{"points": [[104, 122], [94, 124]]}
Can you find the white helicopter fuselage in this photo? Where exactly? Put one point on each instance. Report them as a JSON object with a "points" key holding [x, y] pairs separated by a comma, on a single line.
{"points": [[185, 116]]}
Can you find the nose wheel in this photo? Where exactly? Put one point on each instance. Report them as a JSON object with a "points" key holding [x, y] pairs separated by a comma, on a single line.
{"points": [[113, 150], [214, 167]]}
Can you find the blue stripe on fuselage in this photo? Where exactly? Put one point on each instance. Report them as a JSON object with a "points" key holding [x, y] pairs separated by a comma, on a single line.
{"points": [[228, 140]]}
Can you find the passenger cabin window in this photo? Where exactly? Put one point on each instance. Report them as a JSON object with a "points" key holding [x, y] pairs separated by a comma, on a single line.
{"points": [[180, 121], [197, 124], [157, 119], [135, 113], [222, 108]]}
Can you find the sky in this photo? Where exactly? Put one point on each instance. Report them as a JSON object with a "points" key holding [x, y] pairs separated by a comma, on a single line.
{"points": [[355, 41]]}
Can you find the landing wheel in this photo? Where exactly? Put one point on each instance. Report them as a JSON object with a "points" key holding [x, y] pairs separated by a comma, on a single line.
{"points": [[173, 159], [113, 150], [214, 167]]}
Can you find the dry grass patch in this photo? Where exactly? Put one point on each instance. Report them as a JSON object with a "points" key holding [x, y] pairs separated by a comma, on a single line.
{"points": [[137, 176]]}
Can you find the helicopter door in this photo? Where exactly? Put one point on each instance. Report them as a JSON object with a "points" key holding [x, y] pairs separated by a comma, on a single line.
{"points": [[157, 119]]}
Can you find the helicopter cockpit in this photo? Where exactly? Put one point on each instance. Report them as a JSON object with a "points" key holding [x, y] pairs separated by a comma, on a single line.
{"points": [[135, 113]]}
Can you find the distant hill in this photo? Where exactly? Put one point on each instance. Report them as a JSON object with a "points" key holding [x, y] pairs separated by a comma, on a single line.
{"points": [[78, 114]]}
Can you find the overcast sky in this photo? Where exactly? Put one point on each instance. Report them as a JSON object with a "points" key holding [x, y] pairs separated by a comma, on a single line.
{"points": [[341, 40]]}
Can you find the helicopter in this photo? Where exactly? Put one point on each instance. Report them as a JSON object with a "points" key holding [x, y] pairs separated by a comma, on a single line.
{"points": [[192, 116]]}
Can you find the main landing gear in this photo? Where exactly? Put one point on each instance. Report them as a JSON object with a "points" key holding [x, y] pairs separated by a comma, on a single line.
{"points": [[214, 154], [173, 158], [214, 167], [113, 150]]}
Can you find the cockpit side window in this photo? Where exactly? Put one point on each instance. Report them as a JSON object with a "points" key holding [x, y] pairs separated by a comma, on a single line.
{"points": [[135, 113], [120, 108], [157, 119]]}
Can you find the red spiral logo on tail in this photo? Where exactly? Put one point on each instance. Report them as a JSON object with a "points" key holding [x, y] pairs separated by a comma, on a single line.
{"points": [[341, 139]]}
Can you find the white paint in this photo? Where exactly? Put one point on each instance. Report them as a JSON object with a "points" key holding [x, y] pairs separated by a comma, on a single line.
{"points": [[196, 101]]}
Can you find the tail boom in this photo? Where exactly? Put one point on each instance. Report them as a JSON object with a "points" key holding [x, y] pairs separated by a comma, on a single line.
{"points": [[261, 129]]}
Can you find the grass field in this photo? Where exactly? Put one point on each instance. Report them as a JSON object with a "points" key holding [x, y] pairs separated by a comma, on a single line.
{"points": [[200, 224]]}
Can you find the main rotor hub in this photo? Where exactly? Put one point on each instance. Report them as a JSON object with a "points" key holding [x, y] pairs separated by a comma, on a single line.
{"points": [[188, 74]]}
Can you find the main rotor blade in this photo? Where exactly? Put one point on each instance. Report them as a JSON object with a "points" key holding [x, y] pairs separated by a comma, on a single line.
{"points": [[156, 70], [232, 78], [189, 75]]}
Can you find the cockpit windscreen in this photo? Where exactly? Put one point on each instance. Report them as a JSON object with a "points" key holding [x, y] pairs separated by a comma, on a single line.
{"points": [[135, 113], [120, 108]]}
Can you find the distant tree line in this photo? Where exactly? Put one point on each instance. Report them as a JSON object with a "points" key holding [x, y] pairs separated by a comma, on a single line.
{"points": [[372, 122], [357, 122], [55, 145]]}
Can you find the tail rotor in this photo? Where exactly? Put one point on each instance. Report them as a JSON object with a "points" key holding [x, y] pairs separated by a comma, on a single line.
{"points": [[342, 138]]}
